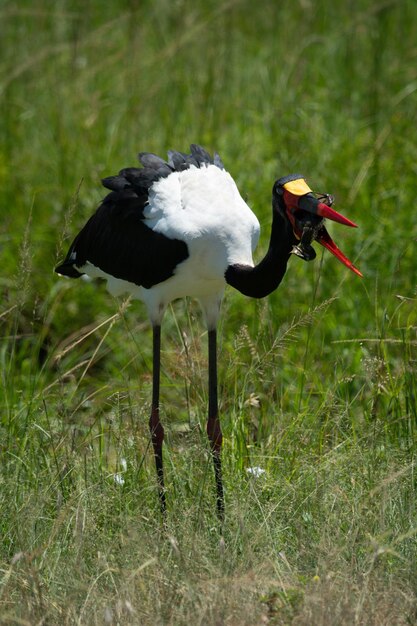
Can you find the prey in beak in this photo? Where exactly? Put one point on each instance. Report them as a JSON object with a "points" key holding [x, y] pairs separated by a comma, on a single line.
{"points": [[306, 212]]}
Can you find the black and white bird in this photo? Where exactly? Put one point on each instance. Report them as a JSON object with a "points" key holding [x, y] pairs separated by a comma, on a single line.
{"points": [[180, 228]]}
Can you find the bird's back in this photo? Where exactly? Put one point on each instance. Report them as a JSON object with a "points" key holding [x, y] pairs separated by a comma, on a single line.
{"points": [[203, 207], [179, 223]]}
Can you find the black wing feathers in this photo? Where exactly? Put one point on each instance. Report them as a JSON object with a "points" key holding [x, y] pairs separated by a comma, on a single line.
{"points": [[115, 183], [116, 238], [178, 160], [200, 155]]}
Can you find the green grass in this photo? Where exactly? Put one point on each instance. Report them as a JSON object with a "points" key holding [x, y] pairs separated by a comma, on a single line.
{"points": [[317, 382]]}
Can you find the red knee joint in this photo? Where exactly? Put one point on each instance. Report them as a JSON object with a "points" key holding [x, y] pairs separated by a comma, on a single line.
{"points": [[214, 433], [156, 428]]}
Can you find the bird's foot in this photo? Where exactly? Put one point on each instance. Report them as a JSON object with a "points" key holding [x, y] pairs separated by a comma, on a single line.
{"points": [[305, 252]]}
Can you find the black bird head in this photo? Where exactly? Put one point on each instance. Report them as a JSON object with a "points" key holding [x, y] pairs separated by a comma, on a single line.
{"points": [[306, 210]]}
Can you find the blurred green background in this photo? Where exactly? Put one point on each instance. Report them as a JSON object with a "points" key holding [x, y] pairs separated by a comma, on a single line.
{"points": [[318, 382]]}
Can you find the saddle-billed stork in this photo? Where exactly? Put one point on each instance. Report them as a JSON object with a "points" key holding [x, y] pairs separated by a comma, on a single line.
{"points": [[180, 228]]}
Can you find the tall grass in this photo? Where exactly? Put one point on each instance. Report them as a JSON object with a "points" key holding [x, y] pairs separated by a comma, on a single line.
{"points": [[317, 383]]}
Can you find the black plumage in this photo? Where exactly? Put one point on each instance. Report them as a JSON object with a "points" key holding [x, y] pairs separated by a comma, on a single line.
{"points": [[117, 240]]}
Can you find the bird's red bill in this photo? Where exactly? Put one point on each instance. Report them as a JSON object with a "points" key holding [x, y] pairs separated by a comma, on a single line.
{"points": [[326, 211], [325, 240]]}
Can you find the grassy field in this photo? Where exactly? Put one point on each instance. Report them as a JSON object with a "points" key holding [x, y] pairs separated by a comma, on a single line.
{"points": [[317, 382]]}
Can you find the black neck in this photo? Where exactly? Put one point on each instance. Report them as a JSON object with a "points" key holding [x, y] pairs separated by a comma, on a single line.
{"points": [[261, 280]]}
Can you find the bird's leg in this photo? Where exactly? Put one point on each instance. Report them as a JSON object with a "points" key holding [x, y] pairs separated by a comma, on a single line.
{"points": [[156, 428], [213, 423]]}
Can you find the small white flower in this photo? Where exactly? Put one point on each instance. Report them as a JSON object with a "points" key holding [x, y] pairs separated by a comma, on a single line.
{"points": [[255, 471], [118, 478]]}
